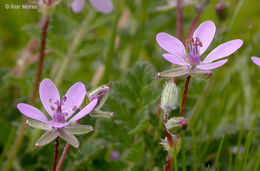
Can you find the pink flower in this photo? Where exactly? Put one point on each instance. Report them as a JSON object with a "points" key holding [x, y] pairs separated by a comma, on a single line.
{"points": [[190, 63], [256, 60], [60, 112], [104, 6]]}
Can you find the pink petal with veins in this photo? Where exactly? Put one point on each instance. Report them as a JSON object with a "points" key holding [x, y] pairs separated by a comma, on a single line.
{"points": [[213, 65], [49, 94], [205, 32], [223, 50], [86, 110], [104, 6], [256, 60], [77, 5], [32, 112], [171, 45], [74, 98]]}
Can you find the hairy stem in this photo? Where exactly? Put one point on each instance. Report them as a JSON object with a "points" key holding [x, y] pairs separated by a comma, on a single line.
{"points": [[63, 156], [56, 154], [20, 133], [187, 82], [168, 164], [170, 141], [179, 19]]}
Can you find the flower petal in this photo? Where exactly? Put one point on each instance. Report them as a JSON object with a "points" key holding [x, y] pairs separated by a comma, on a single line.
{"points": [[38, 125], [171, 44], [86, 110], [47, 137], [49, 94], [205, 32], [104, 6], [32, 112], [176, 72], [223, 50], [69, 138], [174, 60], [78, 129], [256, 60], [74, 98], [77, 5], [213, 65]]}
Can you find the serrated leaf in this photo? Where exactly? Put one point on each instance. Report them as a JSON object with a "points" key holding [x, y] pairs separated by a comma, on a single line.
{"points": [[141, 127], [136, 152]]}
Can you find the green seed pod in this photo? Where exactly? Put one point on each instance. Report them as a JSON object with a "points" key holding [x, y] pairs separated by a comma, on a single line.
{"points": [[101, 114], [176, 125], [101, 93], [169, 99]]}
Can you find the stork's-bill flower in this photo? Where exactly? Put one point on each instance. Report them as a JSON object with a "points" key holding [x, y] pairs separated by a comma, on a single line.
{"points": [[103, 6], [256, 60], [190, 62], [60, 112]]}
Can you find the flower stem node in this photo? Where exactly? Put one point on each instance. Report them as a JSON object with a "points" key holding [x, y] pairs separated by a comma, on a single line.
{"points": [[169, 99], [170, 149], [176, 125]]}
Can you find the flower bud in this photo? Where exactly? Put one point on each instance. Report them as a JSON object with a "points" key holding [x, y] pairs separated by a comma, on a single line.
{"points": [[101, 114], [176, 124], [169, 99], [101, 93], [221, 10]]}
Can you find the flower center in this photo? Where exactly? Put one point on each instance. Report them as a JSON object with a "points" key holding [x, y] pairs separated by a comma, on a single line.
{"points": [[59, 115], [194, 46]]}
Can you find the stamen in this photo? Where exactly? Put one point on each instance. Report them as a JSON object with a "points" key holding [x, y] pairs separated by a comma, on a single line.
{"points": [[64, 99], [50, 100]]}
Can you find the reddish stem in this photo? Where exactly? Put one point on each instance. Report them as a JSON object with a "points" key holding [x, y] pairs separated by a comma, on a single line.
{"points": [[63, 156], [194, 23], [168, 164], [41, 59], [56, 154], [179, 19], [185, 95], [64, 153]]}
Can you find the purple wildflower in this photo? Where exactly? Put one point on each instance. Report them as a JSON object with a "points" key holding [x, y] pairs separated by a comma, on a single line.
{"points": [[190, 63], [103, 6], [114, 155], [60, 111], [256, 60]]}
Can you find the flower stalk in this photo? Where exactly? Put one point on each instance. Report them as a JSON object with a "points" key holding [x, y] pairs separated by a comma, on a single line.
{"points": [[184, 97], [56, 154], [179, 19]]}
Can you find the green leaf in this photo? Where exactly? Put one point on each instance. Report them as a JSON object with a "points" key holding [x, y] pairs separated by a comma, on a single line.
{"points": [[141, 127], [136, 152]]}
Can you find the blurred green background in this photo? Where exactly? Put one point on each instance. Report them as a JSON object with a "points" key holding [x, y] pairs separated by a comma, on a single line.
{"points": [[120, 48]]}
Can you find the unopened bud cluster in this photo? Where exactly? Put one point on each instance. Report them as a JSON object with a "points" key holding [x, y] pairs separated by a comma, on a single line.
{"points": [[175, 125]]}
